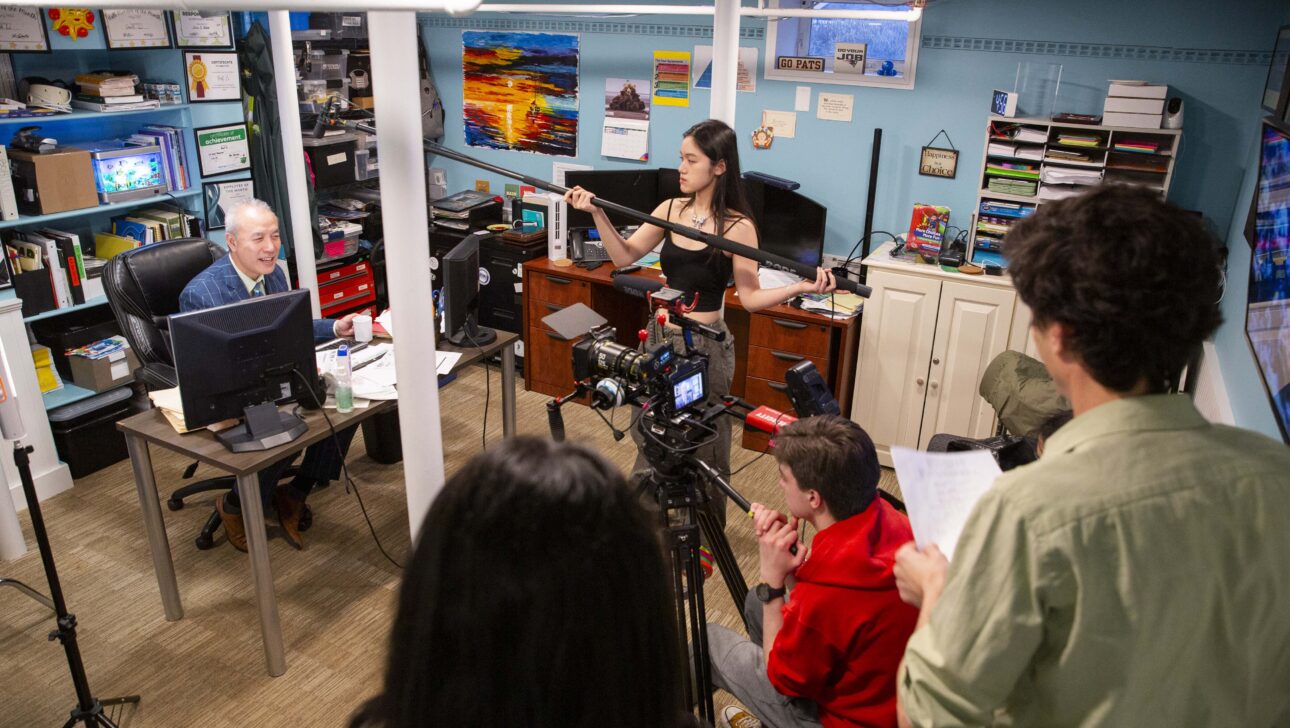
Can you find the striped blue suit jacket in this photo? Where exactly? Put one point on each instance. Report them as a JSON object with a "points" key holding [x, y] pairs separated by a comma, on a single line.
{"points": [[220, 284]]}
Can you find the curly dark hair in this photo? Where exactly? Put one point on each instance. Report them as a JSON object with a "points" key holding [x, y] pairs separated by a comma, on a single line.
{"points": [[1133, 279]]}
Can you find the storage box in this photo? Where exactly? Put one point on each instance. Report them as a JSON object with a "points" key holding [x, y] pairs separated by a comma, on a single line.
{"points": [[331, 159], [323, 66], [85, 433], [1138, 90], [1135, 121], [53, 182], [341, 25], [112, 371], [1125, 104]]}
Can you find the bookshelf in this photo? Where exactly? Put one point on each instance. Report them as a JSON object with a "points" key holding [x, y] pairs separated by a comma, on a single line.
{"points": [[1029, 161]]}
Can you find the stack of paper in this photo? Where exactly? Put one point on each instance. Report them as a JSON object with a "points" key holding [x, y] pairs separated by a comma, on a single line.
{"points": [[167, 400], [1071, 176], [1060, 192], [1141, 146], [940, 490], [1024, 188], [839, 304], [1079, 140], [1031, 134]]}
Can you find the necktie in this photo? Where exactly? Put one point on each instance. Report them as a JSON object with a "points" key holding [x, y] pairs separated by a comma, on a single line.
{"points": [[258, 290]]}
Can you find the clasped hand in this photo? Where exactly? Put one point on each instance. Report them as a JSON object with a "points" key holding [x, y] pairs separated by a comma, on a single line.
{"points": [[580, 199], [920, 573], [776, 535]]}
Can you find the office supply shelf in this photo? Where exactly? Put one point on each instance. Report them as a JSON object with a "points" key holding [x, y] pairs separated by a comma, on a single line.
{"points": [[1012, 198], [67, 395], [83, 115], [96, 301], [114, 207]]}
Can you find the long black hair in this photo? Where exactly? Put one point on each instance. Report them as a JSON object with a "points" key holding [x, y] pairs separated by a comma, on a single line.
{"points": [[537, 596], [718, 142]]}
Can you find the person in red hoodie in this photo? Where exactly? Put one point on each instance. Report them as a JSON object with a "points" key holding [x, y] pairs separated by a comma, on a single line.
{"points": [[828, 627]]}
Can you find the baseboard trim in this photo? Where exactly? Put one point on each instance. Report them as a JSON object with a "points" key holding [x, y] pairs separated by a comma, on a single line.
{"points": [[48, 484]]}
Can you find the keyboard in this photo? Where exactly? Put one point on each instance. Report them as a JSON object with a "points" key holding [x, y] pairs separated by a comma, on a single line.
{"points": [[353, 344]]}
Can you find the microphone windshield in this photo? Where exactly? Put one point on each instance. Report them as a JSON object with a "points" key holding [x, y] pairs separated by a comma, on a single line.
{"points": [[637, 286]]}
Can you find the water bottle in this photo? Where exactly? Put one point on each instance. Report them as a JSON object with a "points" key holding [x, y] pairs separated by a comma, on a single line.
{"points": [[344, 384]]}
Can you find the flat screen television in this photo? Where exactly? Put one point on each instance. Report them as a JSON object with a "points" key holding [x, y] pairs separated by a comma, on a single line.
{"points": [[1267, 316]]}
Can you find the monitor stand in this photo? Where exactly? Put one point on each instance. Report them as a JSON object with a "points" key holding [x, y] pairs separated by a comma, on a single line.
{"points": [[265, 428], [472, 334]]}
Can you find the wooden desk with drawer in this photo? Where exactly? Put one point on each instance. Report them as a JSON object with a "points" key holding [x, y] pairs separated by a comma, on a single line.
{"points": [[767, 343]]}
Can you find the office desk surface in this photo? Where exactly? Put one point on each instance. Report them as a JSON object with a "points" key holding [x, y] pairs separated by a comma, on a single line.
{"points": [[202, 445], [604, 276]]}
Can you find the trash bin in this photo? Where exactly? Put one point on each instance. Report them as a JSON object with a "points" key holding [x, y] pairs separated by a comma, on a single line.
{"points": [[85, 433]]}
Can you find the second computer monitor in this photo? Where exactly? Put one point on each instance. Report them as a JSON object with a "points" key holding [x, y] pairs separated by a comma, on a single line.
{"points": [[460, 294], [637, 189]]}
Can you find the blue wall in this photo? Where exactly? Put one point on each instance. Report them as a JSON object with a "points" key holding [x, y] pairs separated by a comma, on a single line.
{"points": [[1216, 60]]}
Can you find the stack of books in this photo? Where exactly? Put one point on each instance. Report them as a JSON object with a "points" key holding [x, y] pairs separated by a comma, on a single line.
{"points": [[1136, 104], [48, 269], [994, 220], [141, 227], [171, 141], [107, 91]]}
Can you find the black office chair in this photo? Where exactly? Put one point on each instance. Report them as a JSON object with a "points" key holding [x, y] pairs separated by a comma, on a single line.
{"points": [[143, 287]]}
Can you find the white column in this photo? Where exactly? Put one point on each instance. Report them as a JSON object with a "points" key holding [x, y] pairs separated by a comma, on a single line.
{"points": [[725, 60], [293, 155], [393, 37], [50, 475]]}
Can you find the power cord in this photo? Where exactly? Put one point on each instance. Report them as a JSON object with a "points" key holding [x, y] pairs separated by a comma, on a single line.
{"points": [[488, 387], [349, 480]]}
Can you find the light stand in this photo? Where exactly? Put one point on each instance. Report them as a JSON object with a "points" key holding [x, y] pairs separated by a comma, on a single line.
{"points": [[89, 710]]}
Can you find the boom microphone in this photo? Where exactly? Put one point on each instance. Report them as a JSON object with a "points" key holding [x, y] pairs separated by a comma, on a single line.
{"points": [[637, 285]]}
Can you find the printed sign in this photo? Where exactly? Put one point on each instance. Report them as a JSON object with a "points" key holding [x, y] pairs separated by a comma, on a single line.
{"points": [[939, 162], [800, 63], [849, 57]]}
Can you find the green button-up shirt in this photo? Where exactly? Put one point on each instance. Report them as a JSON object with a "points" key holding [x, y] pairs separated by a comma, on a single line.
{"points": [[1137, 575]]}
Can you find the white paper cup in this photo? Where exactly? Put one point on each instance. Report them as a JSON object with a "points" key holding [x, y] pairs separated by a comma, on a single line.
{"points": [[362, 327]]}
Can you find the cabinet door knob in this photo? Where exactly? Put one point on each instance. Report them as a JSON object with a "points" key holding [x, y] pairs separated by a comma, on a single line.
{"points": [[935, 384], [919, 381], [936, 360], [777, 386], [785, 356]]}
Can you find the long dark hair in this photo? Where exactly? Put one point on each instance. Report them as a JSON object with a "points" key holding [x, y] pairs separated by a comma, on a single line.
{"points": [[537, 596], [717, 141]]}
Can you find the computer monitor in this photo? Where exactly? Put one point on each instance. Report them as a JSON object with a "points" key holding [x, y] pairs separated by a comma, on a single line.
{"points": [[788, 224], [238, 360], [1267, 317], [634, 188], [460, 293]]}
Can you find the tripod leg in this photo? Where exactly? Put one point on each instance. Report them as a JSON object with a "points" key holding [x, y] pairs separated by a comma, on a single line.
{"points": [[725, 556]]}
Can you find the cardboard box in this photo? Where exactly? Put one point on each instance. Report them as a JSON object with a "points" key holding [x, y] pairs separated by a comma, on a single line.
{"points": [[53, 182], [110, 372], [1135, 121]]}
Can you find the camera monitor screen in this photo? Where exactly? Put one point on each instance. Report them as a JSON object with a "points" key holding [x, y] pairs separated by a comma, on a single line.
{"points": [[1267, 318], [687, 388]]}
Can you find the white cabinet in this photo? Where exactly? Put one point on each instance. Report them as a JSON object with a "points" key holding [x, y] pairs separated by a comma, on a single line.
{"points": [[926, 338]]}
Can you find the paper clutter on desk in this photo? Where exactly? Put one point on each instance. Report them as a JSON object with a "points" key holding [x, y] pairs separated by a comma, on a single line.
{"points": [[386, 322]]}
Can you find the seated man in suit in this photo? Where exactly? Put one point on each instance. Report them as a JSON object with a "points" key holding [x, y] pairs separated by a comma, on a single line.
{"points": [[250, 269]]}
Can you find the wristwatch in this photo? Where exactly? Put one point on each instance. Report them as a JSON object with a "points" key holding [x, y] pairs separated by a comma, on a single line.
{"points": [[766, 595]]}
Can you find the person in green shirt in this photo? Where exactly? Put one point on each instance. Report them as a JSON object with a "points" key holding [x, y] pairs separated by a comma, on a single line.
{"points": [[1137, 574]]}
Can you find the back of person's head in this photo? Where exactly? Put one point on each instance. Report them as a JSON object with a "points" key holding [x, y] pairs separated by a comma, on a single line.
{"points": [[833, 456], [719, 143], [537, 596], [1133, 280]]}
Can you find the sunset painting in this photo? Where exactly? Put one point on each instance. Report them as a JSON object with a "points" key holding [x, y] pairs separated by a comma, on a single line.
{"points": [[520, 91]]}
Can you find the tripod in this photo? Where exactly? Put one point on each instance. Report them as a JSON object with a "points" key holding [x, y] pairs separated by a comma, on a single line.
{"points": [[685, 510], [89, 710]]}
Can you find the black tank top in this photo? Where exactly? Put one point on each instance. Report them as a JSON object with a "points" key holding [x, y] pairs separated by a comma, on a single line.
{"points": [[704, 272]]}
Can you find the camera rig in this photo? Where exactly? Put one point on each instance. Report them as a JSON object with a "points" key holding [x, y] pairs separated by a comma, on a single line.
{"points": [[676, 418]]}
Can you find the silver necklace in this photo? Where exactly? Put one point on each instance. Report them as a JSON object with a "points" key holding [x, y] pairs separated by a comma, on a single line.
{"points": [[697, 220]]}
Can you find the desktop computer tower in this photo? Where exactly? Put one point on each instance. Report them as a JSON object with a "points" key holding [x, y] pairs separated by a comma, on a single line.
{"points": [[501, 305]]}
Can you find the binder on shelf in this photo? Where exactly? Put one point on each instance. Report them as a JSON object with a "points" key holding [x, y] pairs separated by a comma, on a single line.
{"points": [[8, 200]]}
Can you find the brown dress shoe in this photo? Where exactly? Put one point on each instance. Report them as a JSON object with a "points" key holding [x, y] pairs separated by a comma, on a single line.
{"points": [[289, 510], [233, 526]]}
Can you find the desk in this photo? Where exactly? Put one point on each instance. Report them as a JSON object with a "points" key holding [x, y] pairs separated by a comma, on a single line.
{"points": [[152, 427], [767, 342]]}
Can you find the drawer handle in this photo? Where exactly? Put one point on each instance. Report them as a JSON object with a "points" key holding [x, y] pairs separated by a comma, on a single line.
{"points": [[786, 357], [558, 280], [789, 324], [777, 386], [553, 307], [555, 336]]}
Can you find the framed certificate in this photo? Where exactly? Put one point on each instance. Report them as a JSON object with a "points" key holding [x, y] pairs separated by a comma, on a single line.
{"points": [[202, 28], [135, 29], [22, 30], [212, 77], [221, 197], [222, 149]]}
